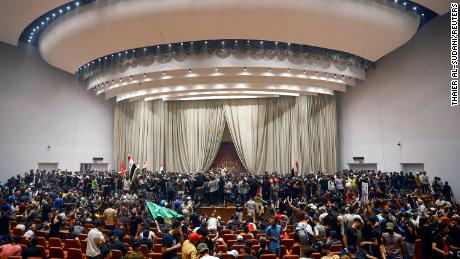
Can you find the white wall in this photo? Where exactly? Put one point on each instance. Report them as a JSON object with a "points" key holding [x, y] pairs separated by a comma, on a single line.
{"points": [[406, 99], [40, 105]]}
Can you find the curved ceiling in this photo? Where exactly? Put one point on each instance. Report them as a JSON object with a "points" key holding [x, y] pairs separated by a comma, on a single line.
{"points": [[16, 15], [12, 24], [369, 29], [439, 6]]}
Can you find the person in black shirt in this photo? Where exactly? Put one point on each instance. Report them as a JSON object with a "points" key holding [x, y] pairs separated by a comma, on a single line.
{"points": [[145, 240], [454, 232], [371, 236], [172, 241], [409, 234], [4, 222], [117, 244], [55, 225], [440, 248], [135, 220], [263, 248], [246, 253], [350, 237], [447, 192], [32, 250], [46, 209]]}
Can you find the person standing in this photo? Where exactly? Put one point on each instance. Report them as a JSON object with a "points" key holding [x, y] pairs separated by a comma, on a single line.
{"points": [[110, 217], [425, 182], [274, 236], [251, 207], [440, 247], [189, 250], [392, 243], [228, 191], [447, 192], [172, 241], [213, 188], [95, 240], [126, 184]]}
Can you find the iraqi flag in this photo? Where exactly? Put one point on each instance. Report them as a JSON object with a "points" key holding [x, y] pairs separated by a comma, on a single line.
{"points": [[131, 166]]}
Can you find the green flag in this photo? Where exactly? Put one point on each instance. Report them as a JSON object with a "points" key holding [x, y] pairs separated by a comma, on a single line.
{"points": [[158, 211]]}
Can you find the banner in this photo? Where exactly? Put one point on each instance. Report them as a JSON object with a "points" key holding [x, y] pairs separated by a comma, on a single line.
{"points": [[158, 211]]}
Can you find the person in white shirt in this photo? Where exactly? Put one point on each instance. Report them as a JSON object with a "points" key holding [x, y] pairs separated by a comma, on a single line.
{"points": [[30, 233], [204, 251], [425, 182], [126, 184], [331, 185], [339, 184], [95, 240], [212, 224], [251, 207], [213, 187], [228, 191]]}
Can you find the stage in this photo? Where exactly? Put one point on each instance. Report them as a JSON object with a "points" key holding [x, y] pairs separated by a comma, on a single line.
{"points": [[224, 212]]}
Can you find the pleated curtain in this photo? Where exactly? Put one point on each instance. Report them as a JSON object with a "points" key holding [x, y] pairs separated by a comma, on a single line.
{"points": [[193, 135], [247, 120], [270, 134], [139, 129]]}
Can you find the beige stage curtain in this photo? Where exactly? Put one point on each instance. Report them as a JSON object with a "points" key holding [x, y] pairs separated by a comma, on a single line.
{"points": [[194, 134], [139, 129], [283, 134], [317, 133], [247, 123], [270, 134]]}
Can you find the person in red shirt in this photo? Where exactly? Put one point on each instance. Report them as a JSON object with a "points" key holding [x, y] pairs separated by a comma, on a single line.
{"points": [[11, 249]]}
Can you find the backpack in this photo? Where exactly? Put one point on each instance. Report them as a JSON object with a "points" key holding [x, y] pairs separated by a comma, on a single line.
{"points": [[304, 237]]}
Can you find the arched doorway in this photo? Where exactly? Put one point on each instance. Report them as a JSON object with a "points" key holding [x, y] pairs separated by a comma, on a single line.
{"points": [[227, 157]]}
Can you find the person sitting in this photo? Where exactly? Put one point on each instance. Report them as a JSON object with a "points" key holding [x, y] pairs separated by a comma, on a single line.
{"points": [[263, 248], [203, 251], [146, 239], [136, 253], [116, 243], [245, 253], [20, 225], [333, 238], [326, 252], [32, 250], [30, 233]]}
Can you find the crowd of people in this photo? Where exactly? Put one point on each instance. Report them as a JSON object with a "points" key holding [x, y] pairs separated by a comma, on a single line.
{"points": [[366, 214]]}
